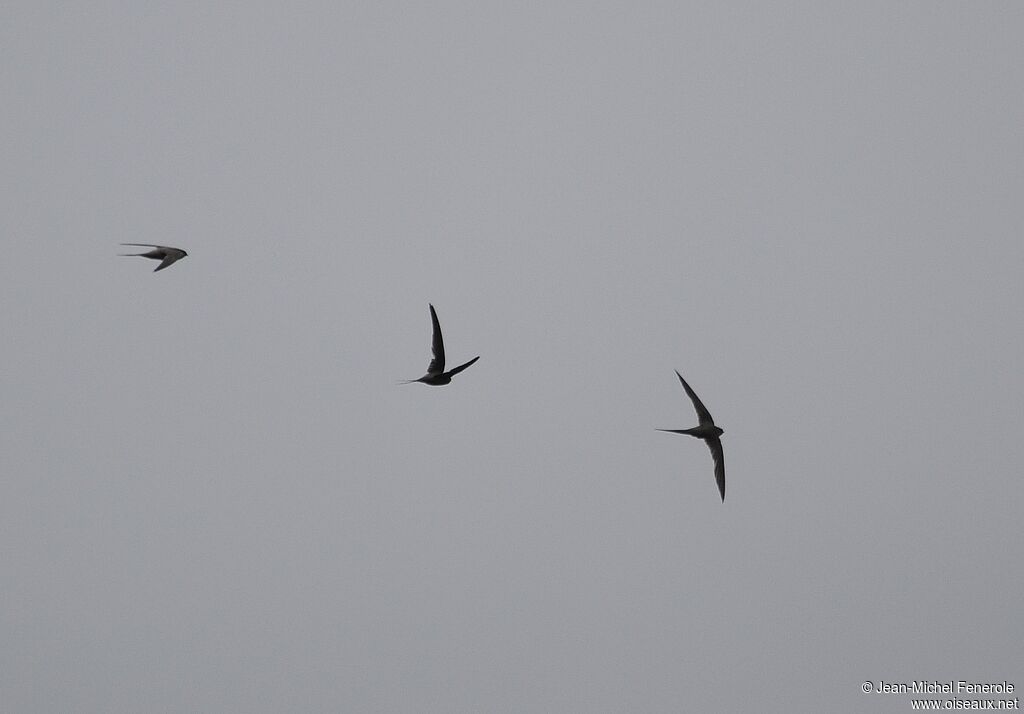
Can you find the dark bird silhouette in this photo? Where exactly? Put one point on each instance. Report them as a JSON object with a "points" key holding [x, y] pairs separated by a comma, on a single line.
{"points": [[436, 375], [706, 431], [163, 253]]}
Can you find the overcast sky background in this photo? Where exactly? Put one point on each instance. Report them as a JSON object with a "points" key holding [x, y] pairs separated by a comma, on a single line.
{"points": [[215, 497]]}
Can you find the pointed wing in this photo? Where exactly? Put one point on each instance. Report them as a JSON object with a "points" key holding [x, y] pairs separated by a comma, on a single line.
{"points": [[169, 257], [436, 364], [703, 415], [463, 366], [715, 444], [145, 245]]}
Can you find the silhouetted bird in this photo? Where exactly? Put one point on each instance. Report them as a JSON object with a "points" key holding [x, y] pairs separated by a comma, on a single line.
{"points": [[706, 431], [436, 375], [163, 253]]}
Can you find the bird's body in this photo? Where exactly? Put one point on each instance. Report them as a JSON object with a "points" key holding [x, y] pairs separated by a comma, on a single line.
{"points": [[436, 376], [708, 431], [701, 432], [437, 380], [165, 254]]}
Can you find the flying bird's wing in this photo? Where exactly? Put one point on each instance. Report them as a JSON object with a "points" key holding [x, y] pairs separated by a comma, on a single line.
{"points": [[715, 444], [703, 415], [463, 366], [145, 245], [436, 364], [169, 258]]}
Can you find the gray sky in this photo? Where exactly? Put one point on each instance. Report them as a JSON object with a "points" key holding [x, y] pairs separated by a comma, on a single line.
{"points": [[214, 496]]}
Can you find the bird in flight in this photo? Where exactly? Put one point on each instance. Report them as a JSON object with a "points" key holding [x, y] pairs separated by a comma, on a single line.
{"points": [[163, 253], [436, 375], [706, 431]]}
